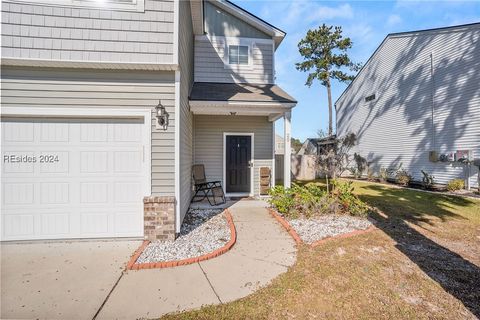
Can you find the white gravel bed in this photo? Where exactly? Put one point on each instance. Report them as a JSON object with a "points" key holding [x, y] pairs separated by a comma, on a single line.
{"points": [[311, 230], [203, 231]]}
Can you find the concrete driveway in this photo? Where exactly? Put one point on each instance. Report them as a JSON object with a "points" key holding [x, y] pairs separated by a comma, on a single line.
{"points": [[72, 280], [60, 280]]}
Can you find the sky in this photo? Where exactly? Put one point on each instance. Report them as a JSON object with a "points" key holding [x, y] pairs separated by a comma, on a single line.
{"points": [[366, 23]]}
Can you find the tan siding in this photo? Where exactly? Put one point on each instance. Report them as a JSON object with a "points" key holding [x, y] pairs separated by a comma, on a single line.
{"points": [[26, 88], [208, 142], [88, 34], [186, 118], [396, 128], [210, 66]]}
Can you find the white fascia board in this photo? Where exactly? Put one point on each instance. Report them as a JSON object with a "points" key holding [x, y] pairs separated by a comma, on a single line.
{"points": [[79, 64], [239, 108]]}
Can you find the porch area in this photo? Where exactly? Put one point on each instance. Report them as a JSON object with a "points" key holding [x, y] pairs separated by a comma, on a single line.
{"points": [[234, 135]]}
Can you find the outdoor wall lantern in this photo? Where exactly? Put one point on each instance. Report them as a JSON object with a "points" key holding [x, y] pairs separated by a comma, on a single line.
{"points": [[162, 116]]}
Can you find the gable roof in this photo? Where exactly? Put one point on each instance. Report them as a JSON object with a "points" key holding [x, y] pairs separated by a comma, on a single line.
{"points": [[197, 11], [403, 34]]}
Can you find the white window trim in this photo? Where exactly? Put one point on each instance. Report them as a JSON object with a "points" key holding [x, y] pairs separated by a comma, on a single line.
{"points": [[250, 43], [224, 163], [135, 5], [249, 50]]}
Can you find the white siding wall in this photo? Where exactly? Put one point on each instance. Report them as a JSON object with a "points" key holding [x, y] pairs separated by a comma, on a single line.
{"points": [[186, 117], [88, 34], [26, 88], [210, 54], [208, 143], [396, 128]]}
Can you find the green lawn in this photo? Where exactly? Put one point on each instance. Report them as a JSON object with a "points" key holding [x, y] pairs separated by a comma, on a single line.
{"points": [[422, 262]]}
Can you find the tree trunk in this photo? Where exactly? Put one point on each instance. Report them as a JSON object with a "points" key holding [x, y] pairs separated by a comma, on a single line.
{"points": [[329, 92]]}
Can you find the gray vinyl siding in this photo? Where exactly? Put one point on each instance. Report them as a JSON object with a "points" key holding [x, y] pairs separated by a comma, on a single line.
{"points": [[221, 23], [36, 31], [186, 117], [27, 88], [210, 54], [396, 128], [208, 142]]}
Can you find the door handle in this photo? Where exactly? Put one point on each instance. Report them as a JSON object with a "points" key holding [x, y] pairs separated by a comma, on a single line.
{"points": [[250, 164]]}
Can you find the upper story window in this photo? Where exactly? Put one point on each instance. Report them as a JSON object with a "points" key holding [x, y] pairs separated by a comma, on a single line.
{"points": [[122, 5], [238, 54]]}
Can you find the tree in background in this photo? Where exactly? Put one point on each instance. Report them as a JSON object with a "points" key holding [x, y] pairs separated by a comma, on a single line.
{"points": [[296, 144], [324, 51]]}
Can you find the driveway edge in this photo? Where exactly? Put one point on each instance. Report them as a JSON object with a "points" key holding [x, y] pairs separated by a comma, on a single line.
{"points": [[132, 265]]}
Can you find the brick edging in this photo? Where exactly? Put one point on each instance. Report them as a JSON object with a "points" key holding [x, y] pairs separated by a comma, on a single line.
{"points": [[132, 265], [343, 235], [286, 225], [299, 240]]}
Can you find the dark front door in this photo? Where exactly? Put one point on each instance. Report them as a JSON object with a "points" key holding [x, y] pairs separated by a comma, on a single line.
{"points": [[238, 158]]}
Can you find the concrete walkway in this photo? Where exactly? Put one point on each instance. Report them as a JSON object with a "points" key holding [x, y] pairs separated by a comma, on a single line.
{"points": [[262, 252]]}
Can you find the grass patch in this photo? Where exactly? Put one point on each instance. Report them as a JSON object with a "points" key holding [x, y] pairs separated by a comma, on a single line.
{"points": [[423, 262]]}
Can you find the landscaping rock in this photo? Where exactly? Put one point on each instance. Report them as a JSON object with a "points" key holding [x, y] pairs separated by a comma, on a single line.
{"points": [[203, 231], [311, 230]]}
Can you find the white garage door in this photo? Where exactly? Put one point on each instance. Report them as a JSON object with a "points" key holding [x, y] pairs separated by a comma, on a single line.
{"points": [[73, 178]]}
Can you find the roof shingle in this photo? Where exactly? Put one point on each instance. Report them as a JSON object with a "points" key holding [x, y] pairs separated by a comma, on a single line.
{"points": [[210, 91]]}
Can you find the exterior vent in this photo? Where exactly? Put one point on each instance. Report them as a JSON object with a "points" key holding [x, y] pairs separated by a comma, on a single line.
{"points": [[370, 98]]}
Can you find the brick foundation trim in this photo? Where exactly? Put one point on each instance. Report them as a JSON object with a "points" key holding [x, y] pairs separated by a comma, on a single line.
{"points": [[299, 240], [159, 218], [132, 265]]}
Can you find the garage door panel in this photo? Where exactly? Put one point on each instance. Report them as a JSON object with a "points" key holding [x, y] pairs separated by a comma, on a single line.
{"points": [[52, 161], [93, 161], [12, 165], [54, 193], [127, 133], [15, 132], [18, 193], [95, 223], [93, 192], [94, 132], [54, 132], [127, 161], [127, 192], [92, 187], [18, 226], [123, 225], [55, 224]]}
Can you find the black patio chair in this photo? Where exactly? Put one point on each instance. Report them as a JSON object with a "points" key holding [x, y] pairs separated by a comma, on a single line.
{"points": [[211, 190]]}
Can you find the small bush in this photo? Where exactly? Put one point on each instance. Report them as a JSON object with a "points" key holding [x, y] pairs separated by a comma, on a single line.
{"points": [[312, 200], [403, 177], [427, 180], [455, 185], [281, 199], [370, 175], [355, 172], [345, 201], [383, 174], [361, 163]]}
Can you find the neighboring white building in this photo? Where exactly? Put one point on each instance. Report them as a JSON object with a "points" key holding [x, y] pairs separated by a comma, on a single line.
{"points": [[417, 101], [280, 145]]}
